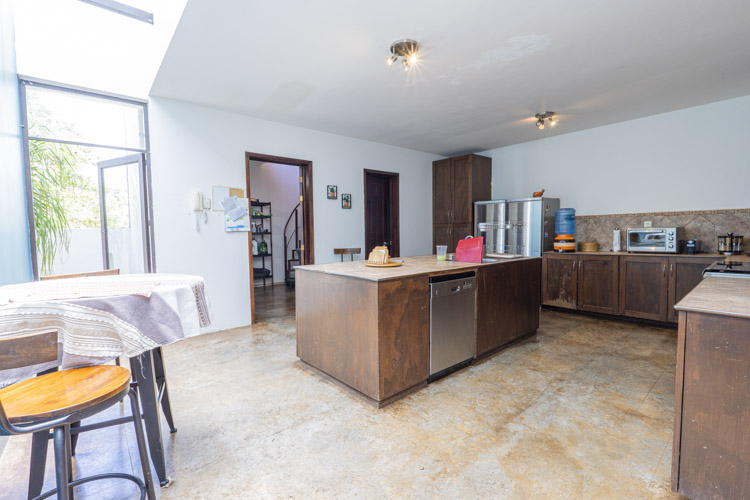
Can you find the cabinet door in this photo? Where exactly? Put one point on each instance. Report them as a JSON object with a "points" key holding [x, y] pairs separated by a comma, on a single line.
{"points": [[442, 235], [559, 280], [442, 191], [643, 287], [462, 200], [460, 231], [684, 274], [507, 303], [598, 279]]}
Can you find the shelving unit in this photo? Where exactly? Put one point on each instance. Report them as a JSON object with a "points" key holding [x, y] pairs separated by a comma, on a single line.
{"points": [[260, 212]]}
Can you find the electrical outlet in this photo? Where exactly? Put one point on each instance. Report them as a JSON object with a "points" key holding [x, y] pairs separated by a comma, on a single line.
{"points": [[648, 223]]}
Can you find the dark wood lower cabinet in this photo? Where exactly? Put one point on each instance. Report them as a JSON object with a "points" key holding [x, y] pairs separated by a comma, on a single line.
{"points": [[643, 287], [560, 281], [598, 280], [711, 444], [638, 286], [684, 274], [507, 303]]}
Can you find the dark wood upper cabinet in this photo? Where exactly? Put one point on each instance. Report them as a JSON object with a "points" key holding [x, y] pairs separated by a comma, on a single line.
{"points": [[442, 234], [463, 206], [456, 184], [442, 199], [684, 274], [560, 280], [461, 231], [643, 287], [598, 280]]}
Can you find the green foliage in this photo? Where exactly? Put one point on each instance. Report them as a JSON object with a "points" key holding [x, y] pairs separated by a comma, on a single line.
{"points": [[52, 167]]}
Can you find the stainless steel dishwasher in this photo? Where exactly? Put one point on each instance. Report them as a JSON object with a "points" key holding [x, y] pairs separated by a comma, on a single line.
{"points": [[452, 337]]}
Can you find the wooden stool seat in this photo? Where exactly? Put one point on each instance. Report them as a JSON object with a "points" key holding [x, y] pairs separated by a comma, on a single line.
{"points": [[62, 393]]}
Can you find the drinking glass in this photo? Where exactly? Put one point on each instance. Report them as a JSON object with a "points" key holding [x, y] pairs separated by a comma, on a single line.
{"points": [[442, 250]]}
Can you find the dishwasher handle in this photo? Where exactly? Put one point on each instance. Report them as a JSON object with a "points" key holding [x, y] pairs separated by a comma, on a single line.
{"points": [[452, 287]]}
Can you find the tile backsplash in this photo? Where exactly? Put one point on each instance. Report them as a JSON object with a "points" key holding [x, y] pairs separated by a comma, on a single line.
{"points": [[703, 225]]}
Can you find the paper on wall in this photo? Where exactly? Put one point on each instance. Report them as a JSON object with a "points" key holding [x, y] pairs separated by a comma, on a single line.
{"points": [[236, 214]]}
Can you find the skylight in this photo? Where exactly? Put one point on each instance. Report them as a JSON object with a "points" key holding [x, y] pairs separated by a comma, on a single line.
{"points": [[129, 10]]}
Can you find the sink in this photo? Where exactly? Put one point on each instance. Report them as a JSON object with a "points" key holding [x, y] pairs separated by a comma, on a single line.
{"points": [[488, 261]]}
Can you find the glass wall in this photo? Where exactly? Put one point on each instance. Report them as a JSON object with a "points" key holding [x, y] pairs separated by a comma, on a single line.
{"points": [[88, 163]]}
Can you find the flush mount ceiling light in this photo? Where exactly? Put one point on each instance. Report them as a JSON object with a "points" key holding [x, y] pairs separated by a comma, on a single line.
{"points": [[547, 115], [405, 49]]}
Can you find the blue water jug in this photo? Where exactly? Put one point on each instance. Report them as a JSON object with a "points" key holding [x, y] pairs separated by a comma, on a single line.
{"points": [[565, 221]]}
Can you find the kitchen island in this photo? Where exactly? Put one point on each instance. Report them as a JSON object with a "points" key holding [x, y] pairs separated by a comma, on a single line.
{"points": [[369, 328], [711, 443]]}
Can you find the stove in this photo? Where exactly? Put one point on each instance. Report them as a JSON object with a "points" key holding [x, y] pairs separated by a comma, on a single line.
{"points": [[728, 268]]}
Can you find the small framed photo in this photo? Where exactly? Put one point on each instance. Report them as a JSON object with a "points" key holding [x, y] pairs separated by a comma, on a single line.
{"points": [[346, 200], [333, 192]]}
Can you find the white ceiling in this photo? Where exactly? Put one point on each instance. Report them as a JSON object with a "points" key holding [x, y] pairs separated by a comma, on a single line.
{"points": [[487, 65]]}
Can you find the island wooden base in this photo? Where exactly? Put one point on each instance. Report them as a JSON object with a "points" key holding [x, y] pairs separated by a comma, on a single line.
{"points": [[711, 440], [354, 392], [373, 336]]}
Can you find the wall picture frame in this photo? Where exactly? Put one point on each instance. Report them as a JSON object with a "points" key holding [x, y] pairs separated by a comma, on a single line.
{"points": [[346, 200], [332, 192]]}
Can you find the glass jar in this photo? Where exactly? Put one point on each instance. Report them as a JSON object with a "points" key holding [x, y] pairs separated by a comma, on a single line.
{"points": [[737, 245], [722, 244]]}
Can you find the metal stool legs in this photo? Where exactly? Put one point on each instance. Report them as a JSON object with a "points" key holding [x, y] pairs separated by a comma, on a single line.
{"points": [[64, 472]]}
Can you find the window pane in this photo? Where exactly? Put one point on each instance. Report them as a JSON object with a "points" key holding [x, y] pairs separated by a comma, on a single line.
{"points": [[69, 116]]}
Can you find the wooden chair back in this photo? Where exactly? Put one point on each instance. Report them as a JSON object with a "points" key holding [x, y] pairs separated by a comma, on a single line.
{"points": [[28, 350], [106, 272]]}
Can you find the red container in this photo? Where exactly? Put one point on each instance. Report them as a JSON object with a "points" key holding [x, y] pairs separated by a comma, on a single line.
{"points": [[470, 250]]}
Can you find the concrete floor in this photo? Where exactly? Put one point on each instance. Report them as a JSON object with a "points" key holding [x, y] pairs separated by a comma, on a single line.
{"points": [[582, 410]]}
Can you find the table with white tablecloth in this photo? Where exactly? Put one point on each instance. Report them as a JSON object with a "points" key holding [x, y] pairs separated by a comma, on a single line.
{"points": [[99, 318]]}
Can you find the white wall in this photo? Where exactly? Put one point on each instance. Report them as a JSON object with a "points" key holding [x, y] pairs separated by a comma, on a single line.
{"points": [[278, 184], [15, 259], [693, 159], [194, 147]]}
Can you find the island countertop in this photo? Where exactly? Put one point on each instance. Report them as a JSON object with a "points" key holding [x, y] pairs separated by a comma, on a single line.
{"points": [[412, 266], [719, 295]]}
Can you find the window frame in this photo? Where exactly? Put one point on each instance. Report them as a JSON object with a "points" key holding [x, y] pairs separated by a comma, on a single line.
{"points": [[23, 83]]}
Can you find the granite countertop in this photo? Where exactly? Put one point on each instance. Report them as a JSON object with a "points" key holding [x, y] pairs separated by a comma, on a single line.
{"points": [[719, 295], [413, 266]]}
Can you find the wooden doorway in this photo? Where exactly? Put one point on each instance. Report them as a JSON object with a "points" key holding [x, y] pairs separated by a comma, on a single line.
{"points": [[381, 211], [306, 204]]}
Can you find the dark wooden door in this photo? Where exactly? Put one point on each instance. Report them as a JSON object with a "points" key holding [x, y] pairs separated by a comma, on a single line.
{"points": [[598, 279], [460, 231], [442, 192], [462, 210], [643, 287], [559, 280], [684, 274], [381, 211]]}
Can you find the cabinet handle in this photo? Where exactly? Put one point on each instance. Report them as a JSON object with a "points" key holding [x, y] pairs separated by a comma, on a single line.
{"points": [[671, 269], [664, 270], [574, 264]]}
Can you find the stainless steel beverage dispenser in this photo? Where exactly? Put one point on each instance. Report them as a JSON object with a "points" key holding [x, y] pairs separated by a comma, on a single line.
{"points": [[524, 226]]}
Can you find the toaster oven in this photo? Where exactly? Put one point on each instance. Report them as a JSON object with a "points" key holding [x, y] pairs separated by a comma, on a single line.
{"points": [[655, 239]]}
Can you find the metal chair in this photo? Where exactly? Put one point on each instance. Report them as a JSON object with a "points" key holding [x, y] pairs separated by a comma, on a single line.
{"points": [[351, 252], [55, 400]]}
